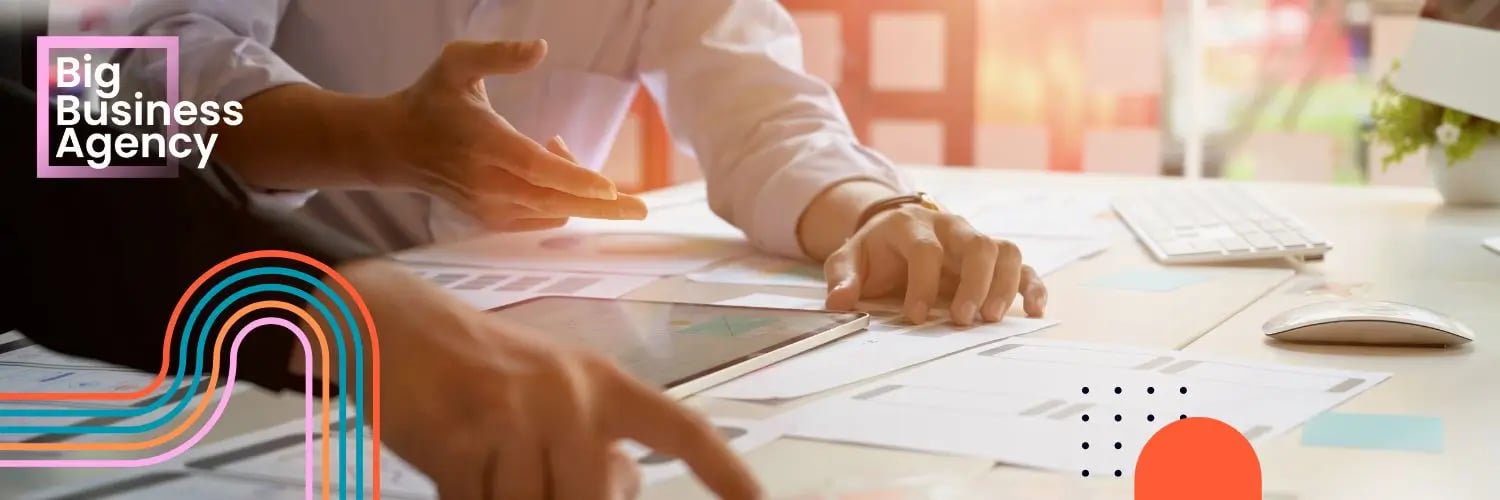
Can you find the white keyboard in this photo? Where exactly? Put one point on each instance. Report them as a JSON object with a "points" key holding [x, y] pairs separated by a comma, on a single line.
{"points": [[1201, 224]]}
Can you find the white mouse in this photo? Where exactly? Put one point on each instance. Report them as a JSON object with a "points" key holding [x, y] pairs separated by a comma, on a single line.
{"points": [[1365, 322]]}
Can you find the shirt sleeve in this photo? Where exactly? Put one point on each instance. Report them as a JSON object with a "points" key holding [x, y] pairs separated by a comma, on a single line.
{"points": [[224, 54], [728, 75], [101, 263]]}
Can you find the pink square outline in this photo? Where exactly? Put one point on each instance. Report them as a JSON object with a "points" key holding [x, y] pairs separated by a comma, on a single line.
{"points": [[45, 45]]}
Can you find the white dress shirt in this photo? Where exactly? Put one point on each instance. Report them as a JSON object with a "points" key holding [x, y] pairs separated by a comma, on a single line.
{"points": [[727, 74]]}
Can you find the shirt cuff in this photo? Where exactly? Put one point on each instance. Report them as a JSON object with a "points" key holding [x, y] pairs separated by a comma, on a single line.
{"points": [[278, 200], [789, 191], [273, 200]]}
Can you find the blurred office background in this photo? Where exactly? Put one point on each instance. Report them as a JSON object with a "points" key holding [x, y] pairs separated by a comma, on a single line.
{"points": [[1275, 90]]}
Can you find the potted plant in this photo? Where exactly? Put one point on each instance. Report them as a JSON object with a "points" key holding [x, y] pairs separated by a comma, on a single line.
{"points": [[1463, 150]]}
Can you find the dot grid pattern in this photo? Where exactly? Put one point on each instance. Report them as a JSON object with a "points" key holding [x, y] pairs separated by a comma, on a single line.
{"points": [[1150, 417]]}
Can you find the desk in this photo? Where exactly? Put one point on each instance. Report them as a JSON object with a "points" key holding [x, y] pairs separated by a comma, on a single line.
{"points": [[1399, 241]]}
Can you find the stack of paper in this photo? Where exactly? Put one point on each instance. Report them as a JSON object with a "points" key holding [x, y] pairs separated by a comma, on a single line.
{"points": [[890, 344], [1035, 403]]}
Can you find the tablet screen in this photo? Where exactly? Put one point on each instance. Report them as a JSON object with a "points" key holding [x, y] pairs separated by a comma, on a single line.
{"points": [[667, 343]]}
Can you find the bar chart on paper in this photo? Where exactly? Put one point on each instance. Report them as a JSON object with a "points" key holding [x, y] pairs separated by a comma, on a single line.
{"points": [[488, 288], [1071, 406], [573, 251]]}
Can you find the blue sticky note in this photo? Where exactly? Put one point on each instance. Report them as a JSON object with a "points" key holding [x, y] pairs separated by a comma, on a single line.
{"points": [[1151, 280], [1375, 432]]}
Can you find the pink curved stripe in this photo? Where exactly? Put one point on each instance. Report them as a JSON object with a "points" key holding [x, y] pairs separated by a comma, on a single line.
{"points": [[234, 359]]}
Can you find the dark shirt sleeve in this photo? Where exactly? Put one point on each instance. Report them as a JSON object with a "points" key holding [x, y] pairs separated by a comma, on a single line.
{"points": [[96, 266]]}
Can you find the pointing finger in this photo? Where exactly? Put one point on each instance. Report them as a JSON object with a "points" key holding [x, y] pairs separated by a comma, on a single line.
{"points": [[654, 420]]}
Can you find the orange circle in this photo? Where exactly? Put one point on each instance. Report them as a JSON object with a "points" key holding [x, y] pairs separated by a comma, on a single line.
{"points": [[1197, 458]]}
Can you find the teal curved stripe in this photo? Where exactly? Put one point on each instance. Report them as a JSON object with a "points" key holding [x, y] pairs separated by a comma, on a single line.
{"points": [[198, 370], [182, 353], [182, 403]]}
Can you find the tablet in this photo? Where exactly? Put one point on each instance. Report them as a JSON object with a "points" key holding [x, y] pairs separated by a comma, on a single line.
{"points": [[683, 348]]}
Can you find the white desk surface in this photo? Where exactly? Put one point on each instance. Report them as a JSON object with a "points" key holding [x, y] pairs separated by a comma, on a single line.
{"points": [[1396, 243]]}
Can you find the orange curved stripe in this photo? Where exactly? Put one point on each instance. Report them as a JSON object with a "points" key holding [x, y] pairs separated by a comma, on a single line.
{"points": [[166, 357], [208, 396], [166, 346], [374, 364]]}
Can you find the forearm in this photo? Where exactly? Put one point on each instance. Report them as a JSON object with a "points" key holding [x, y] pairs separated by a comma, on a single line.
{"points": [[831, 217], [300, 137]]}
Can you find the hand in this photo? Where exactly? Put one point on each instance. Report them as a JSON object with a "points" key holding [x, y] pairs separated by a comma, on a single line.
{"points": [[450, 143], [928, 251], [491, 410], [518, 218]]}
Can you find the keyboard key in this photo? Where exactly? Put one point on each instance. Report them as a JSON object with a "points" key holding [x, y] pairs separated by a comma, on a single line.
{"points": [[1261, 241], [1288, 239], [1183, 248], [1234, 244], [1271, 226], [1312, 236], [1243, 226], [1178, 247], [1163, 235]]}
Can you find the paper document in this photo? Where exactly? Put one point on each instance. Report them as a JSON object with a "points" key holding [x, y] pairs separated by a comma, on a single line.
{"points": [[890, 344], [743, 436], [1040, 213], [686, 218], [570, 250], [764, 270], [1493, 244], [176, 485], [1032, 402], [269, 464], [1046, 256], [277, 455], [27, 367], [490, 288], [1042, 254]]}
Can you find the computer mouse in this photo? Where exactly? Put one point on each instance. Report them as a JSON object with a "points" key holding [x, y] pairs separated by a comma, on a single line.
{"points": [[1367, 322]]}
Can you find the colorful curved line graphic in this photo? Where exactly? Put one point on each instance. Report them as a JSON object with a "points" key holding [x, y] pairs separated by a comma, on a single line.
{"points": [[304, 316]]}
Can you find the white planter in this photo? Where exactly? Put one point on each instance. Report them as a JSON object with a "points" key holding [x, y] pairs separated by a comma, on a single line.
{"points": [[1472, 182]]}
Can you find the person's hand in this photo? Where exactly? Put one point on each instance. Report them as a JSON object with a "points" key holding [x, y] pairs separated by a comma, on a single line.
{"points": [[449, 142], [490, 410], [926, 253], [512, 217]]}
